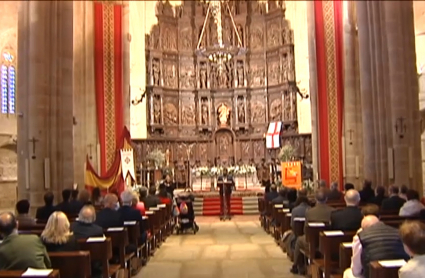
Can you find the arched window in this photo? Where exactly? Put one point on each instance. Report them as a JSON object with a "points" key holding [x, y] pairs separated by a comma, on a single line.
{"points": [[8, 84]]}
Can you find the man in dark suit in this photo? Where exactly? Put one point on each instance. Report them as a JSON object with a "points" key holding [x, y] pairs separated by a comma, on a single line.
{"points": [[367, 193], [128, 213], [19, 252], [281, 199], [321, 212], [394, 202], [225, 194], [108, 217], [85, 227], [334, 194], [149, 199], [65, 205], [43, 213], [350, 217], [272, 194]]}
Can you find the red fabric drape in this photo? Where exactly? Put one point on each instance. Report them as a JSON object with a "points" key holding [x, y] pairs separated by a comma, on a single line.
{"points": [[339, 57], [322, 92], [99, 84], [114, 172], [108, 79], [329, 55]]}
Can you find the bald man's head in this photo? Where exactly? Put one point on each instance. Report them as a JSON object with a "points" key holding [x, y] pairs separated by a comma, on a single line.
{"points": [[87, 214], [352, 197], [8, 224], [110, 201], [369, 221]]}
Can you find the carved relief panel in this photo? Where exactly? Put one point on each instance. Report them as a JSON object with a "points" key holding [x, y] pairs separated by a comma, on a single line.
{"points": [[256, 38], [187, 74], [257, 73], [185, 39], [241, 112], [156, 72], [188, 110], [170, 74], [169, 37], [258, 110], [276, 109], [273, 33], [204, 111], [170, 111]]}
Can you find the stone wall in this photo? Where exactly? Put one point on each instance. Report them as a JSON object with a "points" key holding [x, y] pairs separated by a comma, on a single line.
{"points": [[8, 160]]}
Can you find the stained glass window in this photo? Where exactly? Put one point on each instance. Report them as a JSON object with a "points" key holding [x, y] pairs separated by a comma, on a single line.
{"points": [[8, 84], [11, 89], [4, 89]]}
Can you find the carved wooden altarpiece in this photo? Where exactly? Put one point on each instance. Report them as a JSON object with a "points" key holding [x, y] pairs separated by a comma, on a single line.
{"points": [[225, 113]]}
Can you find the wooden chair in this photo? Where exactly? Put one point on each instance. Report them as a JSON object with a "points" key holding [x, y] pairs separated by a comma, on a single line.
{"points": [[101, 251], [376, 270], [72, 264], [18, 273]]}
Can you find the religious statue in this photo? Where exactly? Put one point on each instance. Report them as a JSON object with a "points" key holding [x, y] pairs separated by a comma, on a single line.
{"points": [[224, 142], [156, 72], [223, 114], [156, 111], [203, 77], [204, 112], [240, 74], [241, 112], [167, 157]]}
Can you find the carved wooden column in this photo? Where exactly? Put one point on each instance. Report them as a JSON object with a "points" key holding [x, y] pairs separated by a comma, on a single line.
{"points": [[45, 48]]}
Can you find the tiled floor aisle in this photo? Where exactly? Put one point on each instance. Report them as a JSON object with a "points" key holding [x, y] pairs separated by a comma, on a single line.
{"points": [[232, 249]]}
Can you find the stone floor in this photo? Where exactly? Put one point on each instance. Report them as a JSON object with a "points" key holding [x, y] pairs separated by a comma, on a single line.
{"points": [[233, 249]]}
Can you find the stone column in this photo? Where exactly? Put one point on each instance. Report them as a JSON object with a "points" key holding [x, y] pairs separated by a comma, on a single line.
{"points": [[126, 62], [366, 91], [85, 125], [353, 148], [45, 51], [389, 92], [313, 87]]}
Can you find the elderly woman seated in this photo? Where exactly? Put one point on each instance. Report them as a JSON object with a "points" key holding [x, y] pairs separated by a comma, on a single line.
{"points": [[56, 235]]}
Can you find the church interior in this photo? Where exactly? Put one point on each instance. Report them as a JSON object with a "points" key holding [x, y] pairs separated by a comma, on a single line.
{"points": [[253, 111]]}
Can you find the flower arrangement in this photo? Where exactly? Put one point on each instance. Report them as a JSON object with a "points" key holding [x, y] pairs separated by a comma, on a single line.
{"points": [[217, 171], [157, 156], [287, 153], [308, 185]]}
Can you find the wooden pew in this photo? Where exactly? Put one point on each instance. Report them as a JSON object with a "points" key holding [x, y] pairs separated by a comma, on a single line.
{"points": [[345, 253], [329, 242], [275, 217], [376, 270], [298, 228], [32, 227], [101, 251], [72, 264], [119, 241], [312, 232], [18, 273]]}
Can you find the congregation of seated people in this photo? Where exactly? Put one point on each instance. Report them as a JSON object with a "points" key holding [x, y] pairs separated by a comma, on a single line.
{"points": [[79, 216], [375, 239]]}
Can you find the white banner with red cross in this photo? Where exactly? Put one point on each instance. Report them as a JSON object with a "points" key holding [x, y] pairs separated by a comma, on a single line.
{"points": [[273, 135], [127, 163]]}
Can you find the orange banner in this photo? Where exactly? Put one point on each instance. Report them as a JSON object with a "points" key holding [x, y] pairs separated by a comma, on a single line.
{"points": [[291, 174]]}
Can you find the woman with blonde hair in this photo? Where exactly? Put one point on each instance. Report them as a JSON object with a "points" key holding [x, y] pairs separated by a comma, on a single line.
{"points": [[57, 236]]}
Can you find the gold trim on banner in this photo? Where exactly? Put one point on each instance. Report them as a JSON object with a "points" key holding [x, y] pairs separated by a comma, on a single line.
{"points": [[331, 84], [109, 84]]}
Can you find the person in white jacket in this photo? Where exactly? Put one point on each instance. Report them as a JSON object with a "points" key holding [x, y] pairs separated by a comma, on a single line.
{"points": [[413, 206]]}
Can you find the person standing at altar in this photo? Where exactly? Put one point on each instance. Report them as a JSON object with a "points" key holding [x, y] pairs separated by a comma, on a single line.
{"points": [[225, 194], [265, 176], [168, 184]]}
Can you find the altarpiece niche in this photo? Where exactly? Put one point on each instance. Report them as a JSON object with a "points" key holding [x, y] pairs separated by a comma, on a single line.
{"points": [[209, 116]]}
